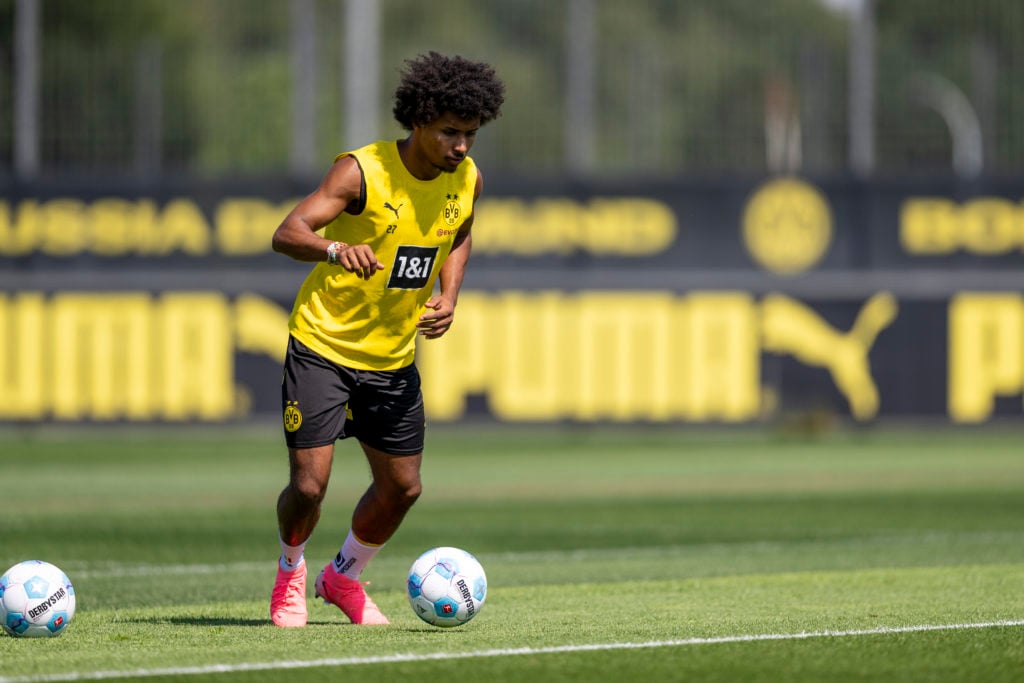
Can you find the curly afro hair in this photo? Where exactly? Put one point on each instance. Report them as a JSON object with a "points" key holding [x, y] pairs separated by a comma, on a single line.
{"points": [[433, 84]]}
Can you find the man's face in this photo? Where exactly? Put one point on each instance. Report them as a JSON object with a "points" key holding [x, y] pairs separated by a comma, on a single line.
{"points": [[447, 141]]}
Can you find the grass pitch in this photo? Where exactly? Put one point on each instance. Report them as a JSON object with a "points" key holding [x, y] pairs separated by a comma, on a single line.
{"points": [[615, 555]]}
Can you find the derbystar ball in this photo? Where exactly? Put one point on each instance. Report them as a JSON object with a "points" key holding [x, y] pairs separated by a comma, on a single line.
{"points": [[37, 600], [447, 586]]}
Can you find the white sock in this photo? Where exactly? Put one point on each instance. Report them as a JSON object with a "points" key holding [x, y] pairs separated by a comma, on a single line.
{"points": [[291, 556], [354, 556]]}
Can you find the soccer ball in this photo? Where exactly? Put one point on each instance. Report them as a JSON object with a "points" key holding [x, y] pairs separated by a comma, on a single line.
{"points": [[37, 600], [447, 587]]}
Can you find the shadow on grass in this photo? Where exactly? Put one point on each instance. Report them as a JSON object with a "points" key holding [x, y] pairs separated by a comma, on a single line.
{"points": [[218, 621], [250, 623]]}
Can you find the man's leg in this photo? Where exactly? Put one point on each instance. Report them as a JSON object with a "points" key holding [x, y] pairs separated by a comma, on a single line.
{"points": [[298, 510], [395, 487], [298, 506]]}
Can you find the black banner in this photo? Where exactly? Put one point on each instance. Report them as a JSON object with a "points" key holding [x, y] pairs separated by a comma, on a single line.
{"points": [[662, 301]]}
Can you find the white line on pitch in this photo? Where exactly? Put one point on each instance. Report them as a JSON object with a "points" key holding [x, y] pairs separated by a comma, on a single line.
{"points": [[479, 654]]}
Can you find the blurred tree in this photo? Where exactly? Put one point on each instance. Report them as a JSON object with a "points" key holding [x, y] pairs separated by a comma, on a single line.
{"points": [[976, 47], [204, 85]]}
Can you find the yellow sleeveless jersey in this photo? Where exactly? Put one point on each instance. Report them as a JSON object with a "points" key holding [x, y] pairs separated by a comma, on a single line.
{"points": [[410, 224]]}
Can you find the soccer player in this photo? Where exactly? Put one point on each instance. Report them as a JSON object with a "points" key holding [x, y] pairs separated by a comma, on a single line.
{"points": [[396, 218]]}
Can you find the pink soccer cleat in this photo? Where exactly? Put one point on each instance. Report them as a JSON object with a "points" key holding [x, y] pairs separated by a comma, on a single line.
{"points": [[348, 595], [288, 601]]}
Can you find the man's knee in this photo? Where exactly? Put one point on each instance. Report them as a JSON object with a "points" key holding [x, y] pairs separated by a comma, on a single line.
{"points": [[411, 494], [309, 490], [400, 496]]}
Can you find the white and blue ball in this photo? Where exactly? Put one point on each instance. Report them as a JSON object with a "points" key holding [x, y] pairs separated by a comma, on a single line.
{"points": [[447, 586], [36, 600]]}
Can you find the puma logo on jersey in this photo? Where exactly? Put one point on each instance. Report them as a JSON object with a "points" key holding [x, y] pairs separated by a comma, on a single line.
{"points": [[387, 205]]}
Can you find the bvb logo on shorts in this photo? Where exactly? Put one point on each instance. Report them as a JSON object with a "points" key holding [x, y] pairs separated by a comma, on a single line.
{"points": [[452, 210], [292, 416]]}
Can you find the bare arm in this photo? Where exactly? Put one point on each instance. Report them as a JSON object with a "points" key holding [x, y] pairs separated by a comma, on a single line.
{"points": [[297, 235], [441, 309]]}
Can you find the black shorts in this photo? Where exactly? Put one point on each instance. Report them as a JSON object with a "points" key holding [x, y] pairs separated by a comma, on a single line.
{"points": [[323, 402]]}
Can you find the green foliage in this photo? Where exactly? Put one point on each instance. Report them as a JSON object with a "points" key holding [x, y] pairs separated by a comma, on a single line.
{"points": [[681, 86]]}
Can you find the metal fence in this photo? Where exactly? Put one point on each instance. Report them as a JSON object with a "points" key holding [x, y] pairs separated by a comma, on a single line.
{"points": [[216, 88]]}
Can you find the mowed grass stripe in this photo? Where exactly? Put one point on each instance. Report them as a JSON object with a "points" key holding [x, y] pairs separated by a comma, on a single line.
{"points": [[107, 571], [588, 539], [509, 652]]}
